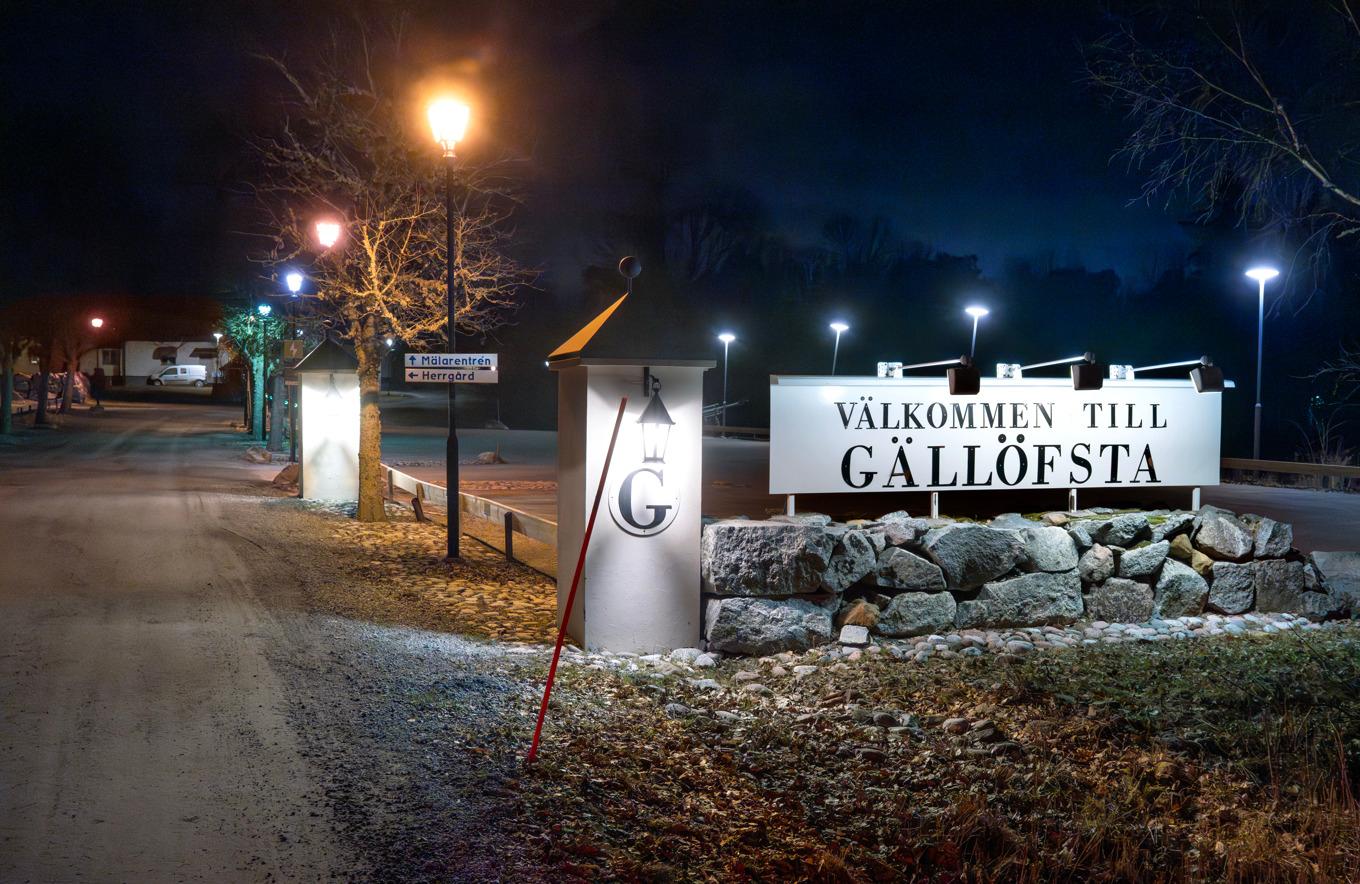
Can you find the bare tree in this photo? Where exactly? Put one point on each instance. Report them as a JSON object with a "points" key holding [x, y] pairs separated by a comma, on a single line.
{"points": [[348, 149], [15, 331], [1246, 109]]}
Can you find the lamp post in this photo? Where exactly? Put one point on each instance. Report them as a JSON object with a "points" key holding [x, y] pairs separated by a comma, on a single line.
{"points": [[977, 313], [1261, 275], [263, 310], [448, 123], [217, 357], [838, 328], [727, 338]]}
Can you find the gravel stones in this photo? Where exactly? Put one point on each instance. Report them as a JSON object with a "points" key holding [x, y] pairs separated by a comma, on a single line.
{"points": [[1233, 590], [1272, 539], [971, 555], [1123, 530], [1180, 591], [1119, 600], [746, 558], [917, 613], [1223, 536], [905, 570], [765, 626], [1037, 599], [855, 557], [1143, 561], [1096, 564], [1048, 549]]}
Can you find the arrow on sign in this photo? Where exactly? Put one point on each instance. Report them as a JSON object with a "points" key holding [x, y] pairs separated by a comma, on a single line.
{"points": [[452, 376]]}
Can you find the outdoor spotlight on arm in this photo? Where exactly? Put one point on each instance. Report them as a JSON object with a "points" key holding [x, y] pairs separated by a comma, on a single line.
{"points": [[1208, 377], [1087, 374], [977, 313], [656, 425], [964, 379]]}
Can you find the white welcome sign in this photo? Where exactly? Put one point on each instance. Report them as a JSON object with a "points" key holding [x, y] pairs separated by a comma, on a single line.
{"points": [[836, 435]]}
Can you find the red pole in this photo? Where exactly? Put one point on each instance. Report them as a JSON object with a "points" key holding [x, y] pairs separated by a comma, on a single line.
{"points": [[575, 582]]}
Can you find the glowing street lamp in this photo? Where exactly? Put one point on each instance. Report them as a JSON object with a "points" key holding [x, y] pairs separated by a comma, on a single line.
{"points": [[727, 338], [97, 322], [327, 233], [838, 327], [977, 313], [448, 124], [293, 280], [1262, 275]]}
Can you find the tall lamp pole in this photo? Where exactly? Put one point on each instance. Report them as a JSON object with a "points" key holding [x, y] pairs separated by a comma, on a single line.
{"points": [[977, 313], [1262, 275], [727, 338], [264, 311], [838, 328], [448, 122]]}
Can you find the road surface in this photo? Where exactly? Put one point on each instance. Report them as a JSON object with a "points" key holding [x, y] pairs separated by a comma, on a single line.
{"points": [[144, 730], [736, 481]]}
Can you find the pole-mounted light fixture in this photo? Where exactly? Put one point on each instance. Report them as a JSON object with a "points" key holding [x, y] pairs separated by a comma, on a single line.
{"points": [[327, 232], [977, 312], [1087, 374], [264, 309], [839, 328], [97, 322], [448, 122], [293, 280], [656, 426]]}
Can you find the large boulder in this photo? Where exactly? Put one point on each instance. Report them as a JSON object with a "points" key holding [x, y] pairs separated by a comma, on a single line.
{"points": [[917, 613], [1037, 599], [1096, 564], [1180, 592], [1048, 549], [855, 557], [1280, 587], [1272, 539], [1122, 530], [901, 569], [1233, 590], [1143, 561], [765, 626], [1340, 572], [898, 528], [1118, 600], [970, 555], [1223, 536], [740, 557]]}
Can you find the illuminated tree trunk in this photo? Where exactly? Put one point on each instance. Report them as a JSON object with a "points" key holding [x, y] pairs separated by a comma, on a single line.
{"points": [[371, 508], [257, 396], [6, 393], [68, 389]]}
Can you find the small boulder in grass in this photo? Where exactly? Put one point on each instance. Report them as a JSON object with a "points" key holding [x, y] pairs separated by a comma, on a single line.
{"points": [[257, 454]]}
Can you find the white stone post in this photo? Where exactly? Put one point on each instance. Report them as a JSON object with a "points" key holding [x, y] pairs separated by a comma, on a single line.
{"points": [[639, 590]]}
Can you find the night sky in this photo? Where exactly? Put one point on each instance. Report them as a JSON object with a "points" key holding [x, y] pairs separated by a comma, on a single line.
{"points": [[964, 125]]}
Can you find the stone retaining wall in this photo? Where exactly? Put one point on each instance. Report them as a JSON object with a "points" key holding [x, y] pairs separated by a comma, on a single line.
{"points": [[792, 582]]}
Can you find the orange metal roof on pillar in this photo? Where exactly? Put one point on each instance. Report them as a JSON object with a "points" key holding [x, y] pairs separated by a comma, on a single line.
{"points": [[577, 342]]}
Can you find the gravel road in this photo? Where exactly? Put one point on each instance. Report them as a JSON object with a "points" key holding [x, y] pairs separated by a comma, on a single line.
{"points": [[173, 709]]}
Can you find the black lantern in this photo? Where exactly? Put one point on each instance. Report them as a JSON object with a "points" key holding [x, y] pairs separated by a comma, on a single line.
{"points": [[656, 427]]}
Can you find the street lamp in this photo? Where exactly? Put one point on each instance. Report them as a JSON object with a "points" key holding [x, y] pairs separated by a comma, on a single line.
{"points": [[97, 322], [837, 327], [293, 280], [327, 233], [217, 357], [977, 313], [727, 338], [1262, 275], [448, 124]]}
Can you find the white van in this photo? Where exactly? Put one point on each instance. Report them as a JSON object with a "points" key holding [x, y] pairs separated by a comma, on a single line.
{"points": [[194, 375]]}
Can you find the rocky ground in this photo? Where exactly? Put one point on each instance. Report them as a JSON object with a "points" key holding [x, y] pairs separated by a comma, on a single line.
{"points": [[1196, 748]]}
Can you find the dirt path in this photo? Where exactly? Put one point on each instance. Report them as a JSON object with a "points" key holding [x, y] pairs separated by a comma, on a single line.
{"points": [[143, 731]]}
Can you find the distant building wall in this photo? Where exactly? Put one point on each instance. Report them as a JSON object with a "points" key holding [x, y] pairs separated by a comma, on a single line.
{"points": [[141, 359]]}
